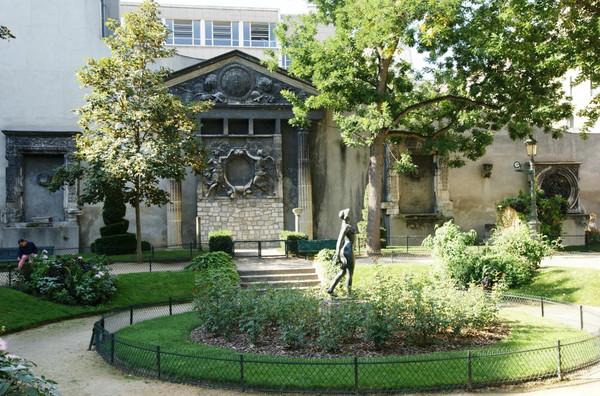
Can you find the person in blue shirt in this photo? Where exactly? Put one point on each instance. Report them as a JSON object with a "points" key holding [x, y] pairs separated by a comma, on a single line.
{"points": [[26, 249]]}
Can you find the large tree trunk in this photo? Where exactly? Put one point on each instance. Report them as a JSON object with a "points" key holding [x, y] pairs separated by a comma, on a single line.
{"points": [[375, 183], [138, 223]]}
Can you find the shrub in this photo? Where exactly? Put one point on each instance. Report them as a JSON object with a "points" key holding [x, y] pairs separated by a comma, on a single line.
{"points": [[291, 239], [325, 260], [519, 242], [220, 240], [68, 280], [115, 244], [552, 210], [210, 260], [18, 378]]}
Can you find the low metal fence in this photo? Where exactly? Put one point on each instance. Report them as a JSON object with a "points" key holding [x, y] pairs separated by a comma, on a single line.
{"points": [[467, 369]]}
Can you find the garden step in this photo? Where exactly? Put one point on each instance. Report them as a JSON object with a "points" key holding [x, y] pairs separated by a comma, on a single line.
{"points": [[290, 277], [286, 283], [283, 271]]}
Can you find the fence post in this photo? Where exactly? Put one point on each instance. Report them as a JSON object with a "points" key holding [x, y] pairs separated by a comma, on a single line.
{"points": [[355, 375], [130, 315], [581, 317], [158, 360], [191, 252], [242, 385], [558, 361], [407, 244], [259, 249], [9, 276], [112, 349], [542, 305], [150, 263], [170, 306], [469, 371]]}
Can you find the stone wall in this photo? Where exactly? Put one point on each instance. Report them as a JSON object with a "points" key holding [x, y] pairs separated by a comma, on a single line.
{"points": [[247, 219]]}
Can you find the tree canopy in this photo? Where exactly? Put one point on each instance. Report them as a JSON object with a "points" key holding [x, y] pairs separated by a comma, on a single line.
{"points": [[491, 64], [134, 131]]}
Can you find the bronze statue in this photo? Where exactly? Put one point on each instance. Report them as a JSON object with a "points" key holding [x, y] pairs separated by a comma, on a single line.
{"points": [[344, 253]]}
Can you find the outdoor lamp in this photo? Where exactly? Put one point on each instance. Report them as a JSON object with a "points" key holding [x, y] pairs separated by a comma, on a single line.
{"points": [[531, 146]]}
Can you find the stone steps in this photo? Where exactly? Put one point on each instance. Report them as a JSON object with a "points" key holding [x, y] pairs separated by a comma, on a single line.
{"points": [[287, 277]]}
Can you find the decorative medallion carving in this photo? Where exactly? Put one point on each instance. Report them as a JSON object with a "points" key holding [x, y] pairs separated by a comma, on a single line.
{"points": [[236, 82], [240, 172]]}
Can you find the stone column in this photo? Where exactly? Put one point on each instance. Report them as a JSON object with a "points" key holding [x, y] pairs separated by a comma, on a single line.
{"points": [[174, 214], [304, 185]]}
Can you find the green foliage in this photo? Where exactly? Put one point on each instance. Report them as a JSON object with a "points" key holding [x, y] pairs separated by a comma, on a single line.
{"points": [[134, 131], [552, 211], [391, 306], [114, 208], [5, 33], [17, 376], [117, 228], [220, 240], [480, 56], [330, 269], [519, 241], [292, 237], [68, 280], [511, 259], [217, 259], [115, 244]]}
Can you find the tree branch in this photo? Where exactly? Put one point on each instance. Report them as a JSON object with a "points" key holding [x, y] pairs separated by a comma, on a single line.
{"points": [[429, 102], [588, 6], [432, 136]]}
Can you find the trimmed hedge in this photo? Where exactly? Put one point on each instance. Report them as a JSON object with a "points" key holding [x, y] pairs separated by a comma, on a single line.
{"points": [[220, 240], [118, 244], [292, 240]]}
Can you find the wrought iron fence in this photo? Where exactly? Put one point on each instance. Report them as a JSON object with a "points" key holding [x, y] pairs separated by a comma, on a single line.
{"points": [[437, 371]]}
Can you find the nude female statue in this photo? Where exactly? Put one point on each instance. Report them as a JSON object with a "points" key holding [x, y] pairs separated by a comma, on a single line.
{"points": [[344, 252]]}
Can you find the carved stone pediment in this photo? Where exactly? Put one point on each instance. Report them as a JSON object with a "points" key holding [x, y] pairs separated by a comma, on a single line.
{"points": [[235, 78]]}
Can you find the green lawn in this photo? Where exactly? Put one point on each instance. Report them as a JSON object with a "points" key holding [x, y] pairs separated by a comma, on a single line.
{"points": [[213, 365], [574, 285], [20, 311]]}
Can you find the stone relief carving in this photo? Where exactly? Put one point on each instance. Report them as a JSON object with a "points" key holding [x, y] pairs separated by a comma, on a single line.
{"points": [[560, 179], [235, 84], [240, 172]]}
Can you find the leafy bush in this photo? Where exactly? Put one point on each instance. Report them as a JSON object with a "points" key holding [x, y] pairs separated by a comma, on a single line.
{"points": [[519, 242], [511, 258], [210, 260], [220, 240], [325, 260], [391, 307], [115, 244], [551, 210], [68, 280], [292, 240], [18, 378]]}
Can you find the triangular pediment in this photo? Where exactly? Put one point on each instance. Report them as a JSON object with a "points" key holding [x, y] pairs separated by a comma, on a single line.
{"points": [[236, 78]]}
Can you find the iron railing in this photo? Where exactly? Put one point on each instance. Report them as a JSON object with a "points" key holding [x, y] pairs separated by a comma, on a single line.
{"points": [[467, 369]]}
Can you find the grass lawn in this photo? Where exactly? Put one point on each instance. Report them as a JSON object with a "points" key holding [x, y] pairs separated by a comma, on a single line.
{"points": [[20, 311], [574, 285], [210, 364]]}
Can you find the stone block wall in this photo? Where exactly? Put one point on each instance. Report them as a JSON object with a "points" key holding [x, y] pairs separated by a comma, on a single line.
{"points": [[247, 219]]}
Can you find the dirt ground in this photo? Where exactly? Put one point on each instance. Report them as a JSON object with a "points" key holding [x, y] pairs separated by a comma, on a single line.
{"points": [[60, 352]]}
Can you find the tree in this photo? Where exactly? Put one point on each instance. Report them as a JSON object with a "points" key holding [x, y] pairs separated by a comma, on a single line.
{"points": [[134, 132], [490, 67], [581, 23]]}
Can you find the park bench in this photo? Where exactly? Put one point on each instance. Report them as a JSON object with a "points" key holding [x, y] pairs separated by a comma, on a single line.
{"points": [[314, 246], [9, 255]]}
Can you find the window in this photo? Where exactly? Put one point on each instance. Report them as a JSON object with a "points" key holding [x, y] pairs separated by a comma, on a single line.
{"points": [[183, 32], [258, 34], [222, 33], [285, 62]]}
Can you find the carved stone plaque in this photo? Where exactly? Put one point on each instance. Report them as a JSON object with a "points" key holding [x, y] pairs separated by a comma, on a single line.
{"points": [[236, 82]]}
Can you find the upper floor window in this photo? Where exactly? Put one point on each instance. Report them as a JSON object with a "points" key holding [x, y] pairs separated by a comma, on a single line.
{"points": [[222, 33], [257, 34], [183, 32]]}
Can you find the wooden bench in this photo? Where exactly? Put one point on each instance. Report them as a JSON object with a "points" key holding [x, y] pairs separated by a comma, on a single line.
{"points": [[314, 246], [9, 255]]}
